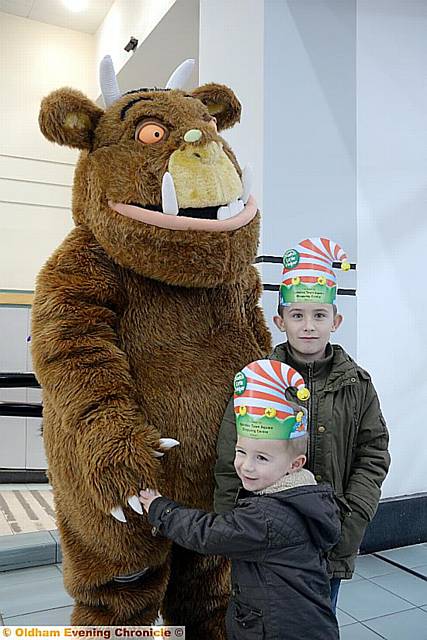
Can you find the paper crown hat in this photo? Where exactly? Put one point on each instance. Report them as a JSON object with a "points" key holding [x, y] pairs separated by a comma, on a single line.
{"points": [[308, 275], [261, 407]]}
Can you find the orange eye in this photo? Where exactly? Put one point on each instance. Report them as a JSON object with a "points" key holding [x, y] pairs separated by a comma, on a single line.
{"points": [[150, 132]]}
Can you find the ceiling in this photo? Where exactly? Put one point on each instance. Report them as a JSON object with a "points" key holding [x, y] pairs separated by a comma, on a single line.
{"points": [[55, 12]]}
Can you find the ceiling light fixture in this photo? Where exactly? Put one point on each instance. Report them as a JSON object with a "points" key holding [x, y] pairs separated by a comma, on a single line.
{"points": [[75, 5]]}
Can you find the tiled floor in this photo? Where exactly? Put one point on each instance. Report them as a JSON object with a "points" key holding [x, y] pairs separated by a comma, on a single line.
{"points": [[25, 508], [382, 601]]}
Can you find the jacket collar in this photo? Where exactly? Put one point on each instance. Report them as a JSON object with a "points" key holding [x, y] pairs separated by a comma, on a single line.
{"points": [[300, 478], [336, 368], [317, 370]]}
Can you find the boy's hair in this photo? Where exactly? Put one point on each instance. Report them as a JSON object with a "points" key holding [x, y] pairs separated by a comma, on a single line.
{"points": [[297, 446], [280, 308]]}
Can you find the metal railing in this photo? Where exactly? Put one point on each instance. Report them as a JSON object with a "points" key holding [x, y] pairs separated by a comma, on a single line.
{"points": [[20, 409], [13, 380]]}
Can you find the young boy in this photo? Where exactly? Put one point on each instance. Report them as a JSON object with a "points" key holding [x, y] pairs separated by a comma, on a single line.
{"points": [[348, 437], [280, 529]]}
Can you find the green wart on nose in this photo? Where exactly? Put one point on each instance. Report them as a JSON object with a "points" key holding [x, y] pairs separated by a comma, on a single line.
{"points": [[192, 135]]}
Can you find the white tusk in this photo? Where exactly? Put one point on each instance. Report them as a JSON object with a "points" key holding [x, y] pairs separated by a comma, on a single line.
{"points": [[169, 201], [135, 504], [223, 213], [108, 81], [118, 514], [168, 443], [236, 207], [181, 75], [247, 179]]}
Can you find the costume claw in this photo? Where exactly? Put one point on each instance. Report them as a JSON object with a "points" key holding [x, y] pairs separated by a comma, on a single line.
{"points": [[247, 179], [135, 504], [165, 443], [168, 443], [169, 201], [118, 514]]}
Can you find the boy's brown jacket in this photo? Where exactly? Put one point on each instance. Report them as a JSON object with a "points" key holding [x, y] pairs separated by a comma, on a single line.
{"points": [[348, 446]]}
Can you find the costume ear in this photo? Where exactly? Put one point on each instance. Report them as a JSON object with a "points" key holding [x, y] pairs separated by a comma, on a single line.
{"points": [[69, 118], [221, 103]]}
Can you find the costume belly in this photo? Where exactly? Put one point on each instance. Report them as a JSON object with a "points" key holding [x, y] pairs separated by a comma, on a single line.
{"points": [[184, 357]]}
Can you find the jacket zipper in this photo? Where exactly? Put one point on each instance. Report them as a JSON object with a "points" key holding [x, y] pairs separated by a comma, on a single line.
{"points": [[310, 412]]}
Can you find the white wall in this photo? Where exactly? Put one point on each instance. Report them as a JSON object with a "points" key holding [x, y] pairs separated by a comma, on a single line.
{"points": [[392, 224], [232, 53], [172, 40], [35, 175], [128, 18], [309, 144]]}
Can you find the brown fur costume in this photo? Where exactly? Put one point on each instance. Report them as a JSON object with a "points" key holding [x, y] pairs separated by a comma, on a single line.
{"points": [[137, 333]]}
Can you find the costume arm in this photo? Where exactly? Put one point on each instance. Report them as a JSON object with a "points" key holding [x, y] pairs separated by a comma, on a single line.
{"points": [[227, 482], [85, 375], [255, 314], [238, 534], [369, 468]]}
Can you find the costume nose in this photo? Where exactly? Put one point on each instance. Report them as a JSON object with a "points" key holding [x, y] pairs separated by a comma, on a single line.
{"points": [[208, 153]]}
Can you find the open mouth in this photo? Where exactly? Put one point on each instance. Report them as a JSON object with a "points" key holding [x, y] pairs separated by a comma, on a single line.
{"points": [[202, 213], [223, 217]]}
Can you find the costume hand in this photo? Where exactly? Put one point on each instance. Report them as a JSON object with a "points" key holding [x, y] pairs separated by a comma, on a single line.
{"points": [[116, 462], [146, 497]]}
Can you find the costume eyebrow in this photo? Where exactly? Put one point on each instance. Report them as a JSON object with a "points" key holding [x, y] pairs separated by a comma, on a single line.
{"points": [[131, 103]]}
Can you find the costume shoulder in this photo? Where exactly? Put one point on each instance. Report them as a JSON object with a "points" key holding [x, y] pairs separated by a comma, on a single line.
{"points": [[79, 264]]}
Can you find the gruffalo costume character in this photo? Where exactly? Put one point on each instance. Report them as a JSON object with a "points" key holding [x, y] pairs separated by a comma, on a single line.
{"points": [[141, 319]]}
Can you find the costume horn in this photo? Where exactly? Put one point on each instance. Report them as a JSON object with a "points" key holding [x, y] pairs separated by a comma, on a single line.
{"points": [[181, 75], [108, 81]]}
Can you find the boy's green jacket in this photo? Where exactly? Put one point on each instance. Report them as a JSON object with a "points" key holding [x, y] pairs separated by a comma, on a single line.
{"points": [[347, 448]]}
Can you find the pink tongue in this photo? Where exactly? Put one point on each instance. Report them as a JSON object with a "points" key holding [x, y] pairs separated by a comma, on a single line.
{"points": [[183, 223]]}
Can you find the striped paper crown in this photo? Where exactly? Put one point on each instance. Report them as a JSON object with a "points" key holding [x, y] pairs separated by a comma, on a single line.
{"points": [[308, 275], [261, 408]]}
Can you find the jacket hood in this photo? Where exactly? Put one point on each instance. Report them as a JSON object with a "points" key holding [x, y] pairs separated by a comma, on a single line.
{"points": [[317, 505]]}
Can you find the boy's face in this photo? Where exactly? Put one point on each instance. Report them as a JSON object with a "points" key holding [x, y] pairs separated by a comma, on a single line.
{"points": [[260, 463], [308, 326]]}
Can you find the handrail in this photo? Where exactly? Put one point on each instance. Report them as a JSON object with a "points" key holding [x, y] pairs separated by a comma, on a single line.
{"points": [[21, 409], [17, 380]]}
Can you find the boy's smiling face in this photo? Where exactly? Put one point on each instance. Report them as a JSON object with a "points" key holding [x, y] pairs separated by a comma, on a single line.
{"points": [[308, 327], [260, 463]]}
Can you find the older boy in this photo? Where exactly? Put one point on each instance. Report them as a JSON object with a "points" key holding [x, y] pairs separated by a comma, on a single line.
{"points": [[280, 529], [348, 437]]}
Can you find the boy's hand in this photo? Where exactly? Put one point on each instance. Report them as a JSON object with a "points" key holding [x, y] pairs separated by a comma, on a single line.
{"points": [[146, 497]]}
